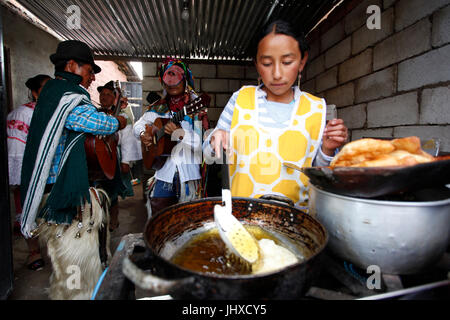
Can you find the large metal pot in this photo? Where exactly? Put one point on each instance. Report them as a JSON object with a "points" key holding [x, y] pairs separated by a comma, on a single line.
{"points": [[400, 237], [166, 232]]}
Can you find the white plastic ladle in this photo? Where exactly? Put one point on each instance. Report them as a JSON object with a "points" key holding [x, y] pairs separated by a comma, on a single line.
{"points": [[232, 232]]}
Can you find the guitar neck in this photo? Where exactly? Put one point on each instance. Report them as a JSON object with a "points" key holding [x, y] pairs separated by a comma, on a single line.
{"points": [[177, 118], [117, 107]]}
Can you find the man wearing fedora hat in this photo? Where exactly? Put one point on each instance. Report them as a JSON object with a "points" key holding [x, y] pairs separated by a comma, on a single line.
{"points": [[59, 204], [129, 152], [76, 57]]}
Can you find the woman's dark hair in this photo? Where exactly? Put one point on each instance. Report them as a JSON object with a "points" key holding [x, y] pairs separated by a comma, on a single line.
{"points": [[280, 27], [35, 83]]}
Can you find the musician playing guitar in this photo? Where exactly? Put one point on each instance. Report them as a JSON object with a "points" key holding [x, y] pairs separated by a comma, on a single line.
{"points": [[129, 150], [177, 176]]}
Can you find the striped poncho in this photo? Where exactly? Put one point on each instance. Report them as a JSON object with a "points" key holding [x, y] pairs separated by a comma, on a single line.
{"points": [[56, 101]]}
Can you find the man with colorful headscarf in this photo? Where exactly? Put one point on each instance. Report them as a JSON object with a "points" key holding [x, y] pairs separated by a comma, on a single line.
{"points": [[178, 180]]}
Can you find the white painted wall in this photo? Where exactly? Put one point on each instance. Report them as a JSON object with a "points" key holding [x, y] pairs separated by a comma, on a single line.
{"points": [[30, 49]]}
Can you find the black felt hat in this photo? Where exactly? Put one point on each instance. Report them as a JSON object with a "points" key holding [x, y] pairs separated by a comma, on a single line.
{"points": [[76, 50], [109, 85]]}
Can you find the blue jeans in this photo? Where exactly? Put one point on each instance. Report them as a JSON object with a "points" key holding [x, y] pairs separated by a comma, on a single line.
{"points": [[164, 189]]}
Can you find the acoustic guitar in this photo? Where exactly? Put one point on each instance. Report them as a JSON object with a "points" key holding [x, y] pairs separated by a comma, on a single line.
{"points": [[162, 144], [101, 151]]}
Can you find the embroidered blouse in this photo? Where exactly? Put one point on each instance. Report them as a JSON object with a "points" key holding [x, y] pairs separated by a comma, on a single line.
{"points": [[17, 126]]}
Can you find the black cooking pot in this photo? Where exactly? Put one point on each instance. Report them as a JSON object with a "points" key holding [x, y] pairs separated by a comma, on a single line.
{"points": [[167, 231], [372, 182]]}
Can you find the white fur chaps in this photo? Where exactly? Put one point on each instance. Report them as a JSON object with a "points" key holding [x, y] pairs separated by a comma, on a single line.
{"points": [[74, 250]]}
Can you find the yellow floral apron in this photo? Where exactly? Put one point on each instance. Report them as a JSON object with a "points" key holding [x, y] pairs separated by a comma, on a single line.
{"points": [[258, 153]]}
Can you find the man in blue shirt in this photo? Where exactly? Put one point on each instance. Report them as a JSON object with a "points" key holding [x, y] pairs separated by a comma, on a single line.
{"points": [[58, 202]]}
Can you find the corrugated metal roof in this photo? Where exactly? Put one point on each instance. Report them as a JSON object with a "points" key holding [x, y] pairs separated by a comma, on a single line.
{"points": [[154, 29]]}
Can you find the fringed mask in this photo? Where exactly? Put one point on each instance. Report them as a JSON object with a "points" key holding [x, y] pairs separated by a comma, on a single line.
{"points": [[173, 71]]}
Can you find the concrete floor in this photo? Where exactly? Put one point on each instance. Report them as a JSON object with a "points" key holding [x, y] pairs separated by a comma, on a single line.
{"points": [[33, 285]]}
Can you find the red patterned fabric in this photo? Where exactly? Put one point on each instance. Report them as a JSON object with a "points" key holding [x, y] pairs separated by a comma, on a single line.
{"points": [[19, 125], [176, 103]]}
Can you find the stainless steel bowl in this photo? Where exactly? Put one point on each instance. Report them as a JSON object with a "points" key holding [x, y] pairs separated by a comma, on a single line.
{"points": [[398, 236]]}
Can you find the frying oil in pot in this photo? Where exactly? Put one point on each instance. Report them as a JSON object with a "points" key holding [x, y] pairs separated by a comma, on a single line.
{"points": [[207, 253]]}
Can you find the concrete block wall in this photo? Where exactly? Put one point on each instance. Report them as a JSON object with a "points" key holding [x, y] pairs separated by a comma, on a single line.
{"points": [[219, 81], [388, 82]]}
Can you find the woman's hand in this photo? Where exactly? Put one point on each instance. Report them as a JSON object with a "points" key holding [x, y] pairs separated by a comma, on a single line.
{"points": [[334, 136], [220, 139]]}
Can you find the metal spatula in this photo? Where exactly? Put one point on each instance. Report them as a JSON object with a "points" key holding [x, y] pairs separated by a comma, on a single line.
{"points": [[236, 237]]}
